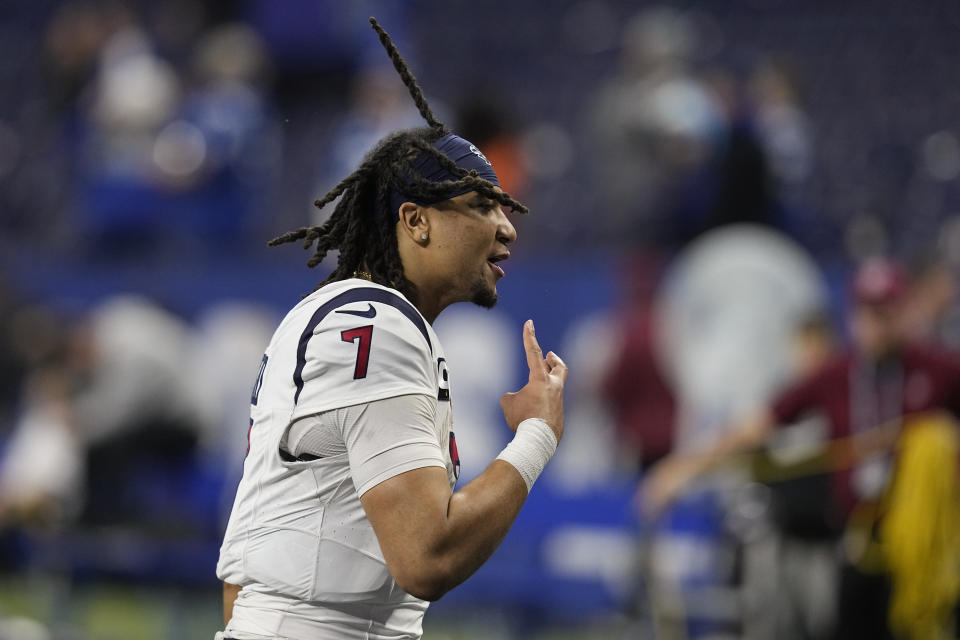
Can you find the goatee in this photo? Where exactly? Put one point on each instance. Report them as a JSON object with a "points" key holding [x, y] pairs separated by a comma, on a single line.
{"points": [[484, 295]]}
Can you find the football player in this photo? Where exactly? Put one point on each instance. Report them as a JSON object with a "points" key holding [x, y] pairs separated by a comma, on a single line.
{"points": [[346, 523]]}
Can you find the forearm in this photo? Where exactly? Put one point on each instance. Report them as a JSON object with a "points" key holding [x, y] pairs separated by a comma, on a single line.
{"points": [[746, 436], [673, 474], [478, 518], [868, 443], [433, 539]]}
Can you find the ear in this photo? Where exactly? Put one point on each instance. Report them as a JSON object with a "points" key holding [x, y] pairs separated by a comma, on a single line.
{"points": [[413, 222]]}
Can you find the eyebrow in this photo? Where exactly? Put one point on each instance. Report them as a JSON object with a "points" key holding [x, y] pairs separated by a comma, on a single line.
{"points": [[481, 201]]}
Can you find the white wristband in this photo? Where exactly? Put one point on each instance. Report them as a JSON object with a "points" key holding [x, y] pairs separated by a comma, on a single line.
{"points": [[531, 449]]}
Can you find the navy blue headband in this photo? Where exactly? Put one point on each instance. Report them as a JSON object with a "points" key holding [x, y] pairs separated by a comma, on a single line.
{"points": [[463, 153]]}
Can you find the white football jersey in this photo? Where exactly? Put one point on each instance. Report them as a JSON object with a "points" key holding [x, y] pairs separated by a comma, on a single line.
{"points": [[298, 539]]}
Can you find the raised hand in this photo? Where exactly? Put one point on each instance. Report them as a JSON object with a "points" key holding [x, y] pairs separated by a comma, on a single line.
{"points": [[542, 396]]}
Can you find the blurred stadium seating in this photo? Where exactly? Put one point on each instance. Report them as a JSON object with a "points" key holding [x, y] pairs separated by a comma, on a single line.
{"points": [[151, 148]]}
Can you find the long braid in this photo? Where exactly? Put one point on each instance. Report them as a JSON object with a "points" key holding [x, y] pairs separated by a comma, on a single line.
{"points": [[407, 76], [361, 227]]}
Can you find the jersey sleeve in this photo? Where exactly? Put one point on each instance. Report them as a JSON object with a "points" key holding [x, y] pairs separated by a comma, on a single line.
{"points": [[359, 353], [389, 437]]}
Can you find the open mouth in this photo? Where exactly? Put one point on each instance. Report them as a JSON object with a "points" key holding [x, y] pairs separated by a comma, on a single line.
{"points": [[493, 260]]}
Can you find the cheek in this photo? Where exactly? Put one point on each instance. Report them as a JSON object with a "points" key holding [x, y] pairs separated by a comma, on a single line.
{"points": [[465, 246], [452, 254]]}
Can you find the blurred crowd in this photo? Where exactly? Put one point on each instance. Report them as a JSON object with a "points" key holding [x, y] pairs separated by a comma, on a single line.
{"points": [[765, 188]]}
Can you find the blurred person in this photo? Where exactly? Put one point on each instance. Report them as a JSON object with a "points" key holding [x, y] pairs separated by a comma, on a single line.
{"points": [[222, 151], [724, 314], [784, 133], [655, 122], [41, 470], [784, 127], [681, 150], [727, 309], [168, 158], [133, 96], [865, 393], [41, 467], [790, 570], [345, 522], [733, 185], [73, 39], [635, 384], [135, 408]]}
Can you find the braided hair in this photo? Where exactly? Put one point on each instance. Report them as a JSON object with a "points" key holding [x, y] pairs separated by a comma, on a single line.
{"points": [[362, 227]]}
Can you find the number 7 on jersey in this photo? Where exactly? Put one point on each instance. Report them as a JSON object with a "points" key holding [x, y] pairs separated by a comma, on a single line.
{"points": [[364, 335]]}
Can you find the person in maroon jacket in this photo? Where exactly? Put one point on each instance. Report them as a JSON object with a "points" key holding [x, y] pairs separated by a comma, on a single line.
{"points": [[864, 393], [635, 388]]}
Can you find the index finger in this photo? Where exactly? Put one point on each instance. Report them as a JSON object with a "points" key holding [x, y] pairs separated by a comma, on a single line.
{"points": [[538, 368]]}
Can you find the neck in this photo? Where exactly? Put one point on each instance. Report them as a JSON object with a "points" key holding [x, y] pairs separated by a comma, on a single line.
{"points": [[428, 305], [426, 302], [427, 294]]}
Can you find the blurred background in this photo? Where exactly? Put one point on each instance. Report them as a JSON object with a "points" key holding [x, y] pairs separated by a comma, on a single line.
{"points": [[704, 177]]}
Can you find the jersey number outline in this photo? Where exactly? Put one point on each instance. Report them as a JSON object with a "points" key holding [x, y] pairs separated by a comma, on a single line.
{"points": [[364, 336]]}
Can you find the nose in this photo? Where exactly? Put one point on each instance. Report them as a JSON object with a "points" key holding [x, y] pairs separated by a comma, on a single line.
{"points": [[506, 233]]}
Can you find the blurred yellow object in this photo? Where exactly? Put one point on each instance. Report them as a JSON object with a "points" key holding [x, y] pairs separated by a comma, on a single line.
{"points": [[920, 530]]}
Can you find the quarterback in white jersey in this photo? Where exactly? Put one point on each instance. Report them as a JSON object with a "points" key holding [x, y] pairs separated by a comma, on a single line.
{"points": [[298, 532], [346, 522]]}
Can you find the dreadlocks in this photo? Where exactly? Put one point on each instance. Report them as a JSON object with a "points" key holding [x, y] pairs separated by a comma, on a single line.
{"points": [[362, 227]]}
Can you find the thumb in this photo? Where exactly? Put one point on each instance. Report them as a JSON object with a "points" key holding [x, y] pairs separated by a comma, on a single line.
{"points": [[557, 366]]}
